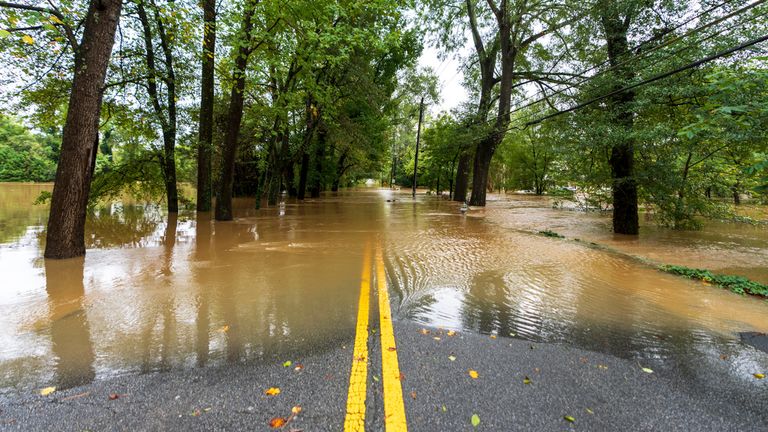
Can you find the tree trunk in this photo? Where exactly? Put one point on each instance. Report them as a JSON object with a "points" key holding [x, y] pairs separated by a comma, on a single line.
{"points": [[303, 171], [235, 117], [462, 177], [317, 178], [624, 185], [481, 169], [205, 137], [65, 236]]}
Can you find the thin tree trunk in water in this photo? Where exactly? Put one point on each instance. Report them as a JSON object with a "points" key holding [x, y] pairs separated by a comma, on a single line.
{"points": [[205, 138], [65, 237], [462, 177], [303, 171], [167, 158], [317, 183], [625, 211], [235, 117], [736, 195]]}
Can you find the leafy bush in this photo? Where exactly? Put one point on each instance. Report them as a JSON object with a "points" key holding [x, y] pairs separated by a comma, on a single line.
{"points": [[737, 284]]}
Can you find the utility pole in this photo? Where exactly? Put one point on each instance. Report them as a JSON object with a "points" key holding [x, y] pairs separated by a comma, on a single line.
{"points": [[418, 138]]}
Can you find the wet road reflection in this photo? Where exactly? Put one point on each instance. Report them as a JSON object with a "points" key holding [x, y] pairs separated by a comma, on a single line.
{"points": [[156, 293]]}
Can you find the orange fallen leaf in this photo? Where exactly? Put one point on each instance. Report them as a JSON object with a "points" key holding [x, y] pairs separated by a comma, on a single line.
{"points": [[451, 333], [424, 331], [298, 367], [493, 336], [295, 410], [473, 374], [413, 395], [391, 349], [272, 391], [277, 422], [401, 377]]}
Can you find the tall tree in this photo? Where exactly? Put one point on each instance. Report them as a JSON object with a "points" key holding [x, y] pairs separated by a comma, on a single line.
{"points": [[167, 114], [205, 139], [234, 117], [65, 237]]}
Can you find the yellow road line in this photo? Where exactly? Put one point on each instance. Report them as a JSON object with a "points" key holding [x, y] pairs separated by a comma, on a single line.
{"points": [[394, 409], [355, 419]]}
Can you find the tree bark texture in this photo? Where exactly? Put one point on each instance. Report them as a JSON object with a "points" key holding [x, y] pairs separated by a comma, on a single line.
{"points": [[65, 236], [205, 137]]}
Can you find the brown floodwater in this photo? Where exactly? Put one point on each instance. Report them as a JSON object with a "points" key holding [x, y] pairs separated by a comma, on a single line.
{"points": [[156, 293]]}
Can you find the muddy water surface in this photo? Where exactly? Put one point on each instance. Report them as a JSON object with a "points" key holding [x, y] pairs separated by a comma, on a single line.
{"points": [[155, 293]]}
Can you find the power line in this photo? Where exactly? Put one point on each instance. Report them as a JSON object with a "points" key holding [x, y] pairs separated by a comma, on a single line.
{"points": [[645, 53], [654, 78]]}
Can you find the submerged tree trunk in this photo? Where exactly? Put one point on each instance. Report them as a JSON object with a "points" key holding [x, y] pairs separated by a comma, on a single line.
{"points": [[303, 172], [65, 236], [317, 178], [234, 118], [462, 177], [205, 137], [622, 159]]}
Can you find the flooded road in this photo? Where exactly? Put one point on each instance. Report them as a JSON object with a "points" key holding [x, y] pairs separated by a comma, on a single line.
{"points": [[155, 293]]}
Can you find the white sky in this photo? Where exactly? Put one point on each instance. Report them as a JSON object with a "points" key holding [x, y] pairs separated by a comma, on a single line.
{"points": [[450, 76]]}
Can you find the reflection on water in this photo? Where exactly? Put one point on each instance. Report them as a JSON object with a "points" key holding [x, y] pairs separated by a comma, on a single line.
{"points": [[156, 293]]}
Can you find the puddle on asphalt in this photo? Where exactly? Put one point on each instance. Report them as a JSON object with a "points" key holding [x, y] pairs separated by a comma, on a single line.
{"points": [[154, 294]]}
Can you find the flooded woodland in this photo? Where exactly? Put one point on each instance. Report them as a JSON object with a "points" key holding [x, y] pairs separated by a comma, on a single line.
{"points": [[158, 292]]}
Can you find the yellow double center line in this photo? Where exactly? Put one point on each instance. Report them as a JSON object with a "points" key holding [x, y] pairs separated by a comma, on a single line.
{"points": [[394, 409]]}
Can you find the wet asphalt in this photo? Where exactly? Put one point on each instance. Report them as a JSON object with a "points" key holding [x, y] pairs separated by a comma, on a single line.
{"points": [[599, 392]]}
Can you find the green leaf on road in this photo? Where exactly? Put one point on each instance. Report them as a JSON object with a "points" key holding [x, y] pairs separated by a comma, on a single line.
{"points": [[452, 358], [475, 420], [569, 418], [287, 363], [647, 370]]}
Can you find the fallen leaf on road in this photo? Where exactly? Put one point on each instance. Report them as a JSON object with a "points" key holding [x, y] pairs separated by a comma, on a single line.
{"points": [[451, 333], [272, 391], [375, 378], [723, 357], [475, 420], [569, 418], [590, 411], [493, 336], [602, 366], [424, 331], [288, 363], [436, 338], [196, 413], [473, 374], [413, 395], [391, 349], [224, 329], [452, 358], [759, 376], [444, 408], [527, 380], [113, 396], [512, 334], [537, 370], [277, 422], [298, 367], [583, 359], [401, 377], [295, 410], [647, 370], [46, 391]]}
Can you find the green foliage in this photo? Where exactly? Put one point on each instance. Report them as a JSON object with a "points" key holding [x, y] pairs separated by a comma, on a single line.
{"points": [[548, 233], [24, 156], [736, 284]]}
